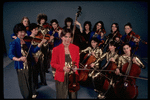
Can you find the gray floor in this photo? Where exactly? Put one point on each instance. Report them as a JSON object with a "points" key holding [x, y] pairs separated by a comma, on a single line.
{"points": [[11, 87]]}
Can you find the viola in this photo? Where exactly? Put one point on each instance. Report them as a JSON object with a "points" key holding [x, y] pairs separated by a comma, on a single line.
{"points": [[73, 81]]}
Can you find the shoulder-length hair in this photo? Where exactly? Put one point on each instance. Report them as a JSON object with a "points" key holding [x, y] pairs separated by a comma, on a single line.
{"points": [[116, 26], [89, 23], [25, 18]]}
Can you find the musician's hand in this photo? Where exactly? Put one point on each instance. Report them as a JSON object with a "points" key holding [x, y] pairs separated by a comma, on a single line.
{"points": [[22, 59], [14, 37], [134, 61], [136, 40], [75, 68], [112, 59], [92, 65], [76, 22], [66, 69], [43, 41], [117, 72], [93, 53]]}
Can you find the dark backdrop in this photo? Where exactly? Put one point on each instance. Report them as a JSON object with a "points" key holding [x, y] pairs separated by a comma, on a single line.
{"points": [[109, 12]]}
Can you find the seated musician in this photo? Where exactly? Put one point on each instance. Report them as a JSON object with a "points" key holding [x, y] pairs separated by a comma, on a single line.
{"points": [[112, 56], [126, 57], [95, 51]]}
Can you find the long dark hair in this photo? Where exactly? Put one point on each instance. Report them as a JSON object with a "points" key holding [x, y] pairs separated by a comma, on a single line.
{"points": [[68, 19], [94, 28], [89, 23], [116, 26]]}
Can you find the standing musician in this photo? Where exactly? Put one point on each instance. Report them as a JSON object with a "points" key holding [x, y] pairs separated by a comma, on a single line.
{"points": [[21, 52], [86, 33], [55, 38], [111, 36], [98, 31], [62, 58], [55, 33], [111, 57], [125, 58], [77, 40], [26, 22], [95, 51], [128, 36], [42, 30], [39, 59]]}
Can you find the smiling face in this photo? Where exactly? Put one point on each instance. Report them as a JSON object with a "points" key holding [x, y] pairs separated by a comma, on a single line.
{"points": [[66, 39], [87, 26], [114, 28], [127, 29], [21, 34], [25, 22], [54, 25], [98, 26], [94, 44], [35, 31], [111, 48]]}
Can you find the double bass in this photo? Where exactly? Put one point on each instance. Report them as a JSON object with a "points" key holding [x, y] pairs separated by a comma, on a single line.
{"points": [[126, 87], [77, 38]]}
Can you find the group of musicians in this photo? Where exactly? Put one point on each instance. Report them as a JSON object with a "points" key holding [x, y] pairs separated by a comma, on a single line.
{"points": [[36, 47]]}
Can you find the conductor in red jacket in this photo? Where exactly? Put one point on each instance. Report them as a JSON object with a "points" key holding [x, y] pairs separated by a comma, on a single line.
{"points": [[62, 57]]}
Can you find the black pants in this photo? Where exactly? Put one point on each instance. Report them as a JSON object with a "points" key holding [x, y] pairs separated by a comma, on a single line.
{"points": [[24, 81]]}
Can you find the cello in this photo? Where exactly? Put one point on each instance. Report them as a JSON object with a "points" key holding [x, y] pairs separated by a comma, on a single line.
{"points": [[126, 87]]}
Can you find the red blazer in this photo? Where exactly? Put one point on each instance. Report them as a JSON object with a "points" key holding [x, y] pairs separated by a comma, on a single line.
{"points": [[58, 59]]}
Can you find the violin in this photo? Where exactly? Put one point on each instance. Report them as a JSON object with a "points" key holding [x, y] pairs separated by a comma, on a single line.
{"points": [[73, 81], [132, 36], [41, 36], [100, 31], [37, 39], [27, 28], [126, 87], [29, 39]]}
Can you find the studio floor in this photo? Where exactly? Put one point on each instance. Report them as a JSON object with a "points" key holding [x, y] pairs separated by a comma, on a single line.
{"points": [[11, 88]]}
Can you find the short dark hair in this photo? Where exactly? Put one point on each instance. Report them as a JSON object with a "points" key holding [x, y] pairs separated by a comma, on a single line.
{"points": [[65, 31], [54, 20], [19, 27], [33, 26], [95, 39], [113, 43], [128, 24]]}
